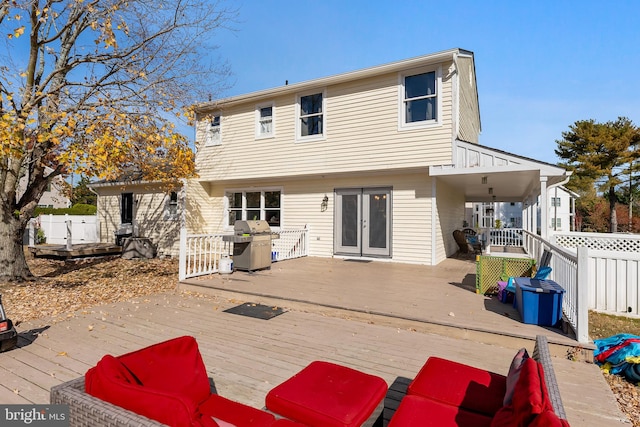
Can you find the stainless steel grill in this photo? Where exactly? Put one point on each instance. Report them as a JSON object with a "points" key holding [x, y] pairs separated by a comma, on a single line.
{"points": [[251, 245]]}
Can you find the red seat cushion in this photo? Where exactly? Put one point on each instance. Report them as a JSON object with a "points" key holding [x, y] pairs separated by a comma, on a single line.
{"points": [[460, 385], [421, 411], [327, 395], [165, 382], [225, 411]]}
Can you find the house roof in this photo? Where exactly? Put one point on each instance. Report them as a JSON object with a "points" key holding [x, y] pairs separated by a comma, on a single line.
{"points": [[405, 64], [506, 177]]}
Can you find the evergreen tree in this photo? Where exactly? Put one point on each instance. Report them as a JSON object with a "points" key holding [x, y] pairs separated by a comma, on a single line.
{"points": [[600, 152]]}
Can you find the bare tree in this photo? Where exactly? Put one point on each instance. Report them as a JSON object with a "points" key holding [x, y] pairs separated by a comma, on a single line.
{"points": [[94, 87]]}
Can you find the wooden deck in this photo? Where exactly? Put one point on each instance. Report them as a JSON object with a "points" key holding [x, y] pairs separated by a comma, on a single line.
{"points": [[369, 316]]}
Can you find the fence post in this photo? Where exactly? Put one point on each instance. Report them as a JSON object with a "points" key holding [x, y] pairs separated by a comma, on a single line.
{"points": [[582, 295], [69, 239], [32, 232], [182, 257]]}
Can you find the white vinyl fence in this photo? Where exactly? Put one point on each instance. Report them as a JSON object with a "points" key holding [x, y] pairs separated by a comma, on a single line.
{"points": [[200, 253], [84, 229], [598, 271]]}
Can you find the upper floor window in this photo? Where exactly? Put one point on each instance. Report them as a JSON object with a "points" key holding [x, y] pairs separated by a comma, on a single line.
{"points": [[420, 99], [264, 121], [311, 116], [555, 201], [213, 132]]}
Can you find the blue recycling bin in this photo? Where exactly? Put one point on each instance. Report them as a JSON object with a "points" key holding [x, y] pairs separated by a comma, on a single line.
{"points": [[539, 302]]}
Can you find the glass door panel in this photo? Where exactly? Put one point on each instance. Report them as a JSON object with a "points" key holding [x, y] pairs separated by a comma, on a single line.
{"points": [[348, 217], [376, 222]]}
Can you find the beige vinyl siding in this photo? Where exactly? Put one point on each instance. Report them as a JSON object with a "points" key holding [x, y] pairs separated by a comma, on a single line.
{"points": [[203, 208], [469, 119], [361, 134], [301, 199], [450, 214], [150, 214]]}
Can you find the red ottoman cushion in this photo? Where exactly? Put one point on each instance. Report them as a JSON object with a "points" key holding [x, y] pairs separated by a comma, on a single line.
{"points": [[327, 395], [460, 385], [420, 411]]}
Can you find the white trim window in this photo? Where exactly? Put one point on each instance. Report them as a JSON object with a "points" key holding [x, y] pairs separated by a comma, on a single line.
{"points": [[253, 205], [310, 116], [555, 201], [420, 103], [556, 223], [172, 205], [265, 121], [213, 132]]}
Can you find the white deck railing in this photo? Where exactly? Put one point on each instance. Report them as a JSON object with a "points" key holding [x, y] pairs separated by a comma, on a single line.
{"points": [[200, 253], [607, 281], [569, 271]]}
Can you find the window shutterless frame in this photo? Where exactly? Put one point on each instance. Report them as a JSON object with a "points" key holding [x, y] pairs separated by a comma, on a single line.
{"points": [[213, 135], [419, 98], [264, 204], [265, 120], [311, 116]]}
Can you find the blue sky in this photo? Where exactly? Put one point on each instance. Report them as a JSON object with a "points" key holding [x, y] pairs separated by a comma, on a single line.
{"points": [[540, 65]]}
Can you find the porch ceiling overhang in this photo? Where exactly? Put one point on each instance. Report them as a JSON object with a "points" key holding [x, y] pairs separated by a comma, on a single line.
{"points": [[515, 179]]}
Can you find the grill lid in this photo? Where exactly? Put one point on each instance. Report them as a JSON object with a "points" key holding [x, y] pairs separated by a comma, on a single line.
{"points": [[251, 227]]}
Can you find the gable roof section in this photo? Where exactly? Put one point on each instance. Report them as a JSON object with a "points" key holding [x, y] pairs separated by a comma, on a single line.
{"points": [[487, 174], [406, 64]]}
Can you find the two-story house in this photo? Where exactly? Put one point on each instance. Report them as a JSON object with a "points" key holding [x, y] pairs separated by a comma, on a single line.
{"points": [[376, 163]]}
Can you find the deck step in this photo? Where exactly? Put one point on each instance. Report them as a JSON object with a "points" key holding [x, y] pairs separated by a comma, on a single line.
{"points": [[564, 347]]}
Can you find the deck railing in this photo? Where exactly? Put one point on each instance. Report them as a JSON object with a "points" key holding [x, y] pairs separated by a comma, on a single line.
{"points": [[598, 272], [569, 270], [200, 253]]}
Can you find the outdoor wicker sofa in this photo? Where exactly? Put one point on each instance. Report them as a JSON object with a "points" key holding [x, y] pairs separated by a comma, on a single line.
{"points": [[86, 410]]}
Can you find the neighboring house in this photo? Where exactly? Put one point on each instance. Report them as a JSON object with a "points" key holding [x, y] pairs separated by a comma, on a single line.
{"points": [[53, 197], [562, 209], [561, 215], [376, 163], [143, 209]]}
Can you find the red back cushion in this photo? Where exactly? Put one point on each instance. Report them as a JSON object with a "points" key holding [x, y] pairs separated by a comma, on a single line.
{"points": [[168, 390], [530, 396], [174, 365]]}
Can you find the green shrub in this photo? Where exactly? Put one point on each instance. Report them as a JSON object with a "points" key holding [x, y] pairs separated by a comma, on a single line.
{"points": [[79, 209]]}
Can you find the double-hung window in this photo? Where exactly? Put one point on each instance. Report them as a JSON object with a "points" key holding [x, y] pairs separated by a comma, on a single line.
{"points": [[419, 94], [213, 136], [555, 201], [311, 116], [255, 205], [264, 121]]}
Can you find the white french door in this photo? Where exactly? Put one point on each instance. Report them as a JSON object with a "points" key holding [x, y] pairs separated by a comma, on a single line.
{"points": [[363, 222]]}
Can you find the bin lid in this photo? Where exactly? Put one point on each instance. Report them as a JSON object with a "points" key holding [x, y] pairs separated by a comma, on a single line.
{"points": [[537, 285]]}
